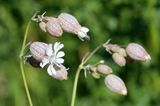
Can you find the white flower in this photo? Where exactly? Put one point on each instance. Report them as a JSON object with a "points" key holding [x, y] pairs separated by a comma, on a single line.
{"points": [[53, 59]]}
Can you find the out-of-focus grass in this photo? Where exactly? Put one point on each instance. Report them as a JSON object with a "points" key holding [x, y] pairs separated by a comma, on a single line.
{"points": [[123, 21]]}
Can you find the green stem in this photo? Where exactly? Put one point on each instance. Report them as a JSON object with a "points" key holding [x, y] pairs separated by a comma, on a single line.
{"points": [[92, 53], [25, 83], [24, 40], [75, 85], [21, 64], [77, 75]]}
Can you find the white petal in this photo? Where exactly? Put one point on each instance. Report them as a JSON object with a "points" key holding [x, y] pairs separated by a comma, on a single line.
{"points": [[49, 51], [82, 34], [60, 54], [51, 71], [60, 46], [57, 47], [59, 60], [84, 29], [44, 62]]}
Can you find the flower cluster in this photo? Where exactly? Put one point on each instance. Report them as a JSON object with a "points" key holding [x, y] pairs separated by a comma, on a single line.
{"points": [[133, 51], [120, 56], [50, 56], [55, 26]]}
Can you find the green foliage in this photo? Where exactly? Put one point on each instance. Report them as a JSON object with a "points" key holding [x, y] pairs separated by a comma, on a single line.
{"points": [[123, 21]]}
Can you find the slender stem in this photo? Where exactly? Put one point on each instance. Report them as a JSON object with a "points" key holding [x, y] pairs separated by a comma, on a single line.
{"points": [[25, 83], [94, 51], [77, 75], [21, 64], [75, 85], [91, 54]]}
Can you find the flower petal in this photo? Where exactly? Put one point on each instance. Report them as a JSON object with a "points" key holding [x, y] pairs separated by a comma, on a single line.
{"points": [[49, 51], [44, 62], [51, 71], [59, 60], [84, 29], [81, 34], [60, 54], [57, 47]]}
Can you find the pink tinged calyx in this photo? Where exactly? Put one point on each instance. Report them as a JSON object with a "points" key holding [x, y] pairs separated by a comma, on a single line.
{"points": [[137, 52], [70, 24], [115, 84], [38, 50], [61, 74]]}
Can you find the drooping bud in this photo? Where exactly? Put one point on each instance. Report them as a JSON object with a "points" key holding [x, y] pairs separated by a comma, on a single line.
{"points": [[115, 84], [48, 24], [104, 69], [114, 48], [137, 52], [122, 52], [119, 59], [38, 50], [61, 74], [95, 75], [70, 24], [53, 27], [42, 25]]}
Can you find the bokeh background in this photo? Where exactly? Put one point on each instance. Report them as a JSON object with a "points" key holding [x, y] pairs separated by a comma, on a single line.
{"points": [[123, 21]]}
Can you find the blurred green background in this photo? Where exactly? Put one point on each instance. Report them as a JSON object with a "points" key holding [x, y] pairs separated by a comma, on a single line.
{"points": [[123, 21]]}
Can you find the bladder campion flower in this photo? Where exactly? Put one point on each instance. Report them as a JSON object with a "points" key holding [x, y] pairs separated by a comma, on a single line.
{"points": [[53, 58], [44, 53], [115, 84], [70, 24]]}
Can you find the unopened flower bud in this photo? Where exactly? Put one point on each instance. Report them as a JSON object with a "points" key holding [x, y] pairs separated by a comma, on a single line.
{"points": [[38, 50], [115, 84], [53, 27], [122, 52], [114, 48], [48, 24], [104, 69], [96, 75], [70, 24], [137, 52], [119, 59], [42, 25], [61, 74]]}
